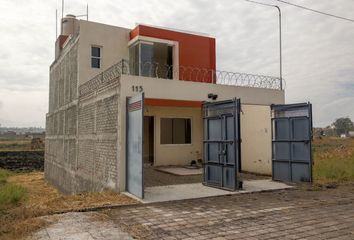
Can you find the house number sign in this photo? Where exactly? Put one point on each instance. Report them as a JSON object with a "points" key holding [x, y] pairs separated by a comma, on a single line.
{"points": [[137, 88]]}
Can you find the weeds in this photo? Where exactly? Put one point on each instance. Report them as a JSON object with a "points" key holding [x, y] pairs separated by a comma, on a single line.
{"points": [[10, 194], [333, 160], [4, 175]]}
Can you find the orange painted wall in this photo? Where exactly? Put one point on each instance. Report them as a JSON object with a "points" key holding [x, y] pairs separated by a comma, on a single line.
{"points": [[194, 51], [172, 103]]}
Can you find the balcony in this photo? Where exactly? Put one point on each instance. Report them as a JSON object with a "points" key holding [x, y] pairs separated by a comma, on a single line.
{"points": [[183, 73]]}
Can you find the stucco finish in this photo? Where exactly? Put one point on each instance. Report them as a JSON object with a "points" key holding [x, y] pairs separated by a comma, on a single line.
{"points": [[256, 135], [114, 43], [176, 154], [255, 106], [187, 90]]}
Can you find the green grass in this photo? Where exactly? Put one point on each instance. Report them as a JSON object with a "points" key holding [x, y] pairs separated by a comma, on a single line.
{"points": [[331, 169], [333, 160], [4, 174], [10, 194]]}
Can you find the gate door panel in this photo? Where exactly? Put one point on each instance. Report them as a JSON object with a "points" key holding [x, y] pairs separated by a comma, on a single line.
{"points": [[291, 137], [134, 152], [222, 154]]}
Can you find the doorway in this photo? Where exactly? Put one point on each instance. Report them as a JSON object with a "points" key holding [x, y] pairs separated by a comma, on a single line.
{"points": [[149, 140]]}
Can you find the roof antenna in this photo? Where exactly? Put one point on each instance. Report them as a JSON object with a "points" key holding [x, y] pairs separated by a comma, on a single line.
{"points": [[56, 24], [84, 15], [62, 16]]}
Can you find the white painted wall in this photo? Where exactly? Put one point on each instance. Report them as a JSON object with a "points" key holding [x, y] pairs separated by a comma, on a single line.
{"points": [[256, 143], [256, 135], [113, 40], [176, 154]]}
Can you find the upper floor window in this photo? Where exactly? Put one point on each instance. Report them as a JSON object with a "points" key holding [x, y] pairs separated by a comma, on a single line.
{"points": [[96, 57], [151, 59]]}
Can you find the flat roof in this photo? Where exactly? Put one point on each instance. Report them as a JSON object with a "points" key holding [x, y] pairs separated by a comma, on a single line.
{"points": [[175, 30]]}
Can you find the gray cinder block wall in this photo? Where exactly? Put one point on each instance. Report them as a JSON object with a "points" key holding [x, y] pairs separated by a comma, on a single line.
{"points": [[81, 150]]}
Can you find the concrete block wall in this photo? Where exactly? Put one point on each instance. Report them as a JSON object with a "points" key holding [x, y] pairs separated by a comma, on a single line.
{"points": [[97, 139], [81, 151], [61, 120]]}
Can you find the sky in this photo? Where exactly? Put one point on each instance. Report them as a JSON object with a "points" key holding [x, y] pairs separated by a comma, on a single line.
{"points": [[318, 51]]}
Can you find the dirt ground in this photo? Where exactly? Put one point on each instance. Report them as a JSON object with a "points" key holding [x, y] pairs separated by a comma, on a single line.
{"points": [[153, 177], [44, 199]]}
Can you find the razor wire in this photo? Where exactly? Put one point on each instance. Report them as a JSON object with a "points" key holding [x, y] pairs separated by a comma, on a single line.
{"points": [[194, 74], [185, 73]]}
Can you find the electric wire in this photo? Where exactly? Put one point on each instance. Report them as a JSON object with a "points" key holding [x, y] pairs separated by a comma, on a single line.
{"points": [[316, 11]]}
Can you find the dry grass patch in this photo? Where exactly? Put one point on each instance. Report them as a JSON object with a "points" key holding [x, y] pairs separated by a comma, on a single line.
{"points": [[43, 199], [15, 145], [46, 199]]}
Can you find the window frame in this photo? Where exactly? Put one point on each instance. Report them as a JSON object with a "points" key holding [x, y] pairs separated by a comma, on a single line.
{"points": [[176, 144], [151, 42], [94, 57]]}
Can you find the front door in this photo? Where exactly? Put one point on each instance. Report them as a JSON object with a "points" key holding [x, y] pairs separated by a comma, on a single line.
{"points": [[222, 144], [292, 135], [134, 152]]}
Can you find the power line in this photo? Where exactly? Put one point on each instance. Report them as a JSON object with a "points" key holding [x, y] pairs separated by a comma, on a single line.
{"points": [[317, 11], [264, 4]]}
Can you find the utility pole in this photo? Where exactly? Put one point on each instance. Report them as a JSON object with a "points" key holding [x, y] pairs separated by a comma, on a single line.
{"points": [[280, 39]]}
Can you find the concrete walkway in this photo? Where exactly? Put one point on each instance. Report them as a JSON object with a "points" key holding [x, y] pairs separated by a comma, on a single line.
{"points": [[80, 226], [198, 190]]}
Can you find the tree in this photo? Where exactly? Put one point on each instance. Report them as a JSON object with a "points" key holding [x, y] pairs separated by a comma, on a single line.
{"points": [[343, 125]]}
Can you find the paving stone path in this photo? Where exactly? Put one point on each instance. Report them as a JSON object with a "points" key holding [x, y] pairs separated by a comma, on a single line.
{"points": [[288, 214]]}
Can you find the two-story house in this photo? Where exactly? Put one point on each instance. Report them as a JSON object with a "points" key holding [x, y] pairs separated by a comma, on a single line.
{"points": [[171, 74]]}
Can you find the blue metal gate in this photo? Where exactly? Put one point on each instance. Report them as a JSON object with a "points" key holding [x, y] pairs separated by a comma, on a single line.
{"points": [[291, 137], [134, 141], [222, 144]]}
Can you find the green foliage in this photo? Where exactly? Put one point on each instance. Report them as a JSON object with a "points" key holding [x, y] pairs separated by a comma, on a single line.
{"points": [[10, 194], [4, 174], [333, 160], [343, 125], [332, 169]]}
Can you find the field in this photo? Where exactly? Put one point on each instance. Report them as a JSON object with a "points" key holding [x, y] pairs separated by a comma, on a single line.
{"points": [[333, 160], [21, 143], [15, 145]]}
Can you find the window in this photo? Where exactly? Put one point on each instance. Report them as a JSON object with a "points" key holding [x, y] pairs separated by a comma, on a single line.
{"points": [[151, 59], [95, 57], [175, 131]]}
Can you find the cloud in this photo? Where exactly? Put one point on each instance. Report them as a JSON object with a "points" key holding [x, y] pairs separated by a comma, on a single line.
{"points": [[318, 51]]}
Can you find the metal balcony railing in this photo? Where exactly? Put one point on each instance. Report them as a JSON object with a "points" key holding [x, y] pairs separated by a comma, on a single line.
{"points": [[153, 69], [156, 70]]}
